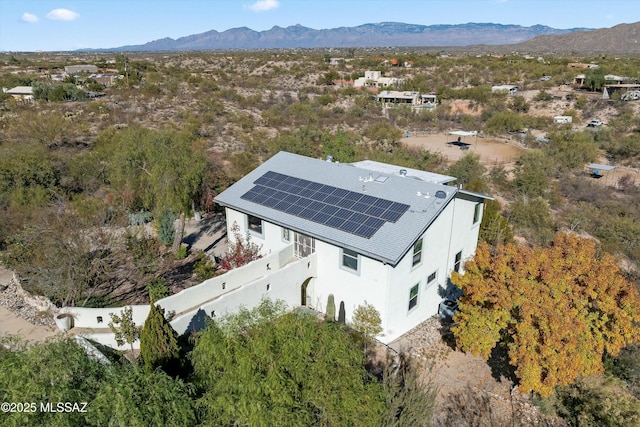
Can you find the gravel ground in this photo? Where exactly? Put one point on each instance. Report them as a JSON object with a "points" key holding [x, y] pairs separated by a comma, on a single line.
{"points": [[38, 311]]}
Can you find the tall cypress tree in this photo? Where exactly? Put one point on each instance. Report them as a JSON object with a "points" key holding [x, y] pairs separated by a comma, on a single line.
{"points": [[159, 343]]}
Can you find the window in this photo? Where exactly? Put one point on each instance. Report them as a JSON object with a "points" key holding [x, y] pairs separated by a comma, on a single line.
{"points": [[413, 296], [456, 265], [254, 224], [432, 278], [286, 235], [476, 213], [304, 245], [417, 253], [350, 259]]}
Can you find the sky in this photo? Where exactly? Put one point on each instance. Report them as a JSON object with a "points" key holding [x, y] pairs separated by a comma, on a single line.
{"points": [[62, 25]]}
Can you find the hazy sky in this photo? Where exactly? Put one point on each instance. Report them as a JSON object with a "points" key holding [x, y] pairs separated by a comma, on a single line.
{"points": [[30, 25]]}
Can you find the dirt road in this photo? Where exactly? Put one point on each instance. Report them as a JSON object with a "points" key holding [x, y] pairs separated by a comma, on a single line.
{"points": [[490, 150]]}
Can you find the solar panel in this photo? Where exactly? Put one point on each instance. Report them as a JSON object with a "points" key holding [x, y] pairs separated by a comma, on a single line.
{"points": [[358, 214]]}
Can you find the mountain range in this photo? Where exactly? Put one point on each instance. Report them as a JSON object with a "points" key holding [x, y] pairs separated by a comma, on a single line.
{"points": [[384, 34]]}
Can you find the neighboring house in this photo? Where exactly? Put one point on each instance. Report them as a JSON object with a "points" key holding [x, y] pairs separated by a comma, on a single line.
{"points": [[72, 70], [415, 99], [375, 79], [398, 97], [378, 233], [21, 93], [626, 88], [510, 89], [578, 81]]}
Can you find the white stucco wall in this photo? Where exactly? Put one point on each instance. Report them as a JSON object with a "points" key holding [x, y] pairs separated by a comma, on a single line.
{"points": [[271, 238], [282, 284], [353, 288]]}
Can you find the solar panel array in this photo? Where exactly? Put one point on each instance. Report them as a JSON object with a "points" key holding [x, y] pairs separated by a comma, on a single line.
{"points": [[349, 211]]}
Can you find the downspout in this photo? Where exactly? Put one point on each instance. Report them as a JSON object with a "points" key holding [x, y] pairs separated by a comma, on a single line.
{"points": [[453, 216]]}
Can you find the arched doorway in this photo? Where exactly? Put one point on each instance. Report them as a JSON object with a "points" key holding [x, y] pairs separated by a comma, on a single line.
{"points": [[303, 291]]}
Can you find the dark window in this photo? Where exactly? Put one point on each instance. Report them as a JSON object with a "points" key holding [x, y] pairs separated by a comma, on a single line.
{"points": [[255, 224], [432, 277], [456, 266], [413, 296], [350, 259], [476, 212], [417, 253]]}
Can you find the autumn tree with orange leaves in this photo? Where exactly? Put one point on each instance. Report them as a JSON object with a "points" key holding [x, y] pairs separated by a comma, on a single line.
{"points": [[557, 309]]}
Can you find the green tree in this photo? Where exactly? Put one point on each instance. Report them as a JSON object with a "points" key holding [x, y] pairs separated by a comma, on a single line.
{"points": [[124, 328], [503, 122], [135, 398], [556, 310], [366, 321], [467, 169], [594, 79], [166, 229], [155, 170], [54, 371], [495, 228], [283, 369], [533, 173], [159, 342], [386, 136]]}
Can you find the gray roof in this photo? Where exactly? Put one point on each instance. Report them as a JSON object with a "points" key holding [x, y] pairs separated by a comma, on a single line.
{"points": [[20, 90], [390, 243], [388, 169]]}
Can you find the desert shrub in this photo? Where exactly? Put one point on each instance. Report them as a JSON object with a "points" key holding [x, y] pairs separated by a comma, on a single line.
{"points": [[543, 96], [503, 122], [532, 218], [597, 401], [204, 267], [533, 173], [519, 104], [467, 169], [166, 229]]}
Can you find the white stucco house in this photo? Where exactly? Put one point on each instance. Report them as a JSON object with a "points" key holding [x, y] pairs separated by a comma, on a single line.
{"points": [[375, 79], [378, 233]]}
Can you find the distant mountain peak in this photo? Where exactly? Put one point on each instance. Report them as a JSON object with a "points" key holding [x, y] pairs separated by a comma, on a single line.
{"points": [[366, 35]]}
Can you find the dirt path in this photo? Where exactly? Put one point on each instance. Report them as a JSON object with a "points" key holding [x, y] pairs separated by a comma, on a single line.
{"points": [[491, 150]]}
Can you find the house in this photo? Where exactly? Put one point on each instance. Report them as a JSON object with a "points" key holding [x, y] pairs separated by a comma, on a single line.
{"points": [[72, 70], [375, 79], [21, 93], [378, 233], [399, 97], [510, 89]]}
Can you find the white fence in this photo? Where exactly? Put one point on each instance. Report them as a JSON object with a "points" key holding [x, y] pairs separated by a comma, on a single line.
{"points": [[275, 277]]}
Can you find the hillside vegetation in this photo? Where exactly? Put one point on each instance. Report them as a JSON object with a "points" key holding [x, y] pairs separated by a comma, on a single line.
{"points": [[79, 177]]}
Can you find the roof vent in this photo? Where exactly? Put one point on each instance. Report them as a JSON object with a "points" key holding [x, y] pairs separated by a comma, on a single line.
{"points": [[441, 194], [403, 172], [329, 158]]}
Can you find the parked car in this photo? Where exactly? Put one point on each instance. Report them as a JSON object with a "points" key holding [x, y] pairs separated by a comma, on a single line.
{"points": [[594, 124], [447, 309]]}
